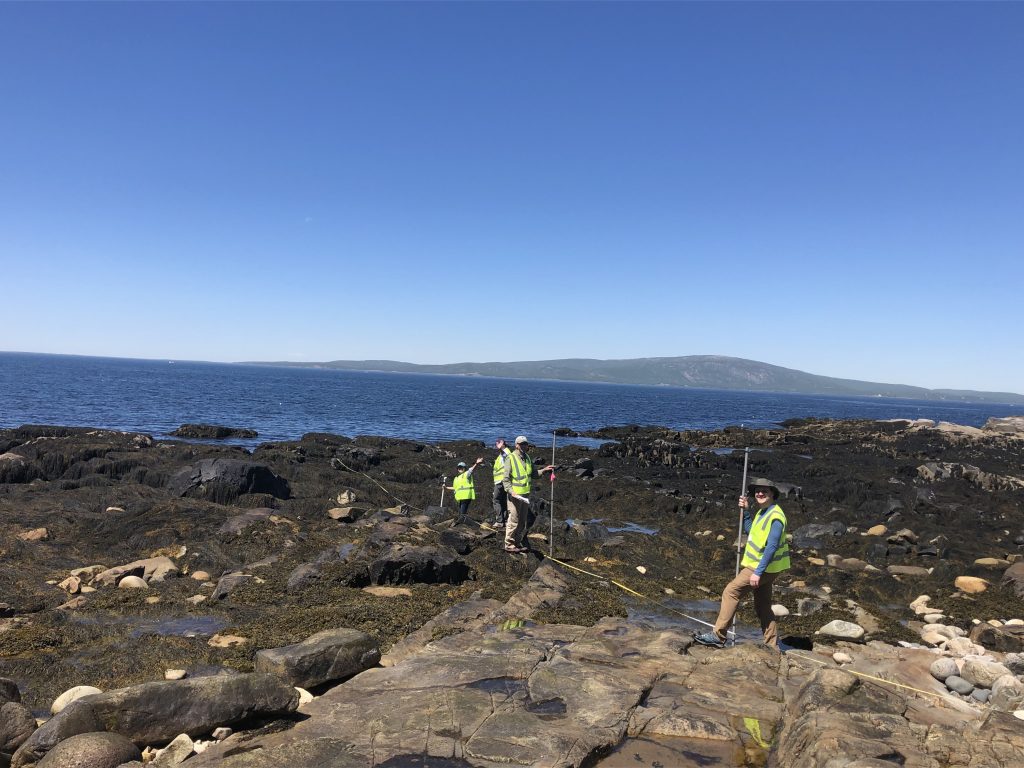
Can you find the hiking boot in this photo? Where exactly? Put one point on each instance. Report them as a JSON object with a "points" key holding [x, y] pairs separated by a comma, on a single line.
{"points": [[515, 550], [710, 639], [496, 526]]}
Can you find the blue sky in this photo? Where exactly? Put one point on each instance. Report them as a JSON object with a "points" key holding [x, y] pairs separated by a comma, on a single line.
{"points": [[830, 187]]}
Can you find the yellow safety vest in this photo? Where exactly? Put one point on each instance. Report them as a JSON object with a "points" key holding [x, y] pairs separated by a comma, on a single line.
{"points": [[758, 538], [520, 471], [499, 467], [464, 487]]}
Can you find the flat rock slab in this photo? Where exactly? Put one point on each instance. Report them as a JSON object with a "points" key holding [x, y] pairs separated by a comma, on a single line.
{"points": [[538, 695]]}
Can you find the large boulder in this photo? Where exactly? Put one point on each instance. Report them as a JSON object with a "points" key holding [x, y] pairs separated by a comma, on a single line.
{"points": [[333, 654], [224, 480], [70, 695], [91, 750], [157, 712], [812, 535], [1014, 577], [983, 673], [1005, 639], [406, 564], [842, 630], [78, 717], [16, 725]]}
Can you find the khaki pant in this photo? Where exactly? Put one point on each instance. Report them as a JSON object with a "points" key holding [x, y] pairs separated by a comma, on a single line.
{"points": [[515, 526], [735, 591]]}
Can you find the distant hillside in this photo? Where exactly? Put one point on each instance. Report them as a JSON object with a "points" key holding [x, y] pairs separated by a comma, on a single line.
{"points": [[703, 371]]}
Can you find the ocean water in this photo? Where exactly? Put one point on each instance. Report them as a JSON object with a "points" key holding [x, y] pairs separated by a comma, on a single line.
{"points": [[284, 403]]}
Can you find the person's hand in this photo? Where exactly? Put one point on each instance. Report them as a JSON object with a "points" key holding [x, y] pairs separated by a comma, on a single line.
{"points": [[754, 580], [479, 461], [744, 502]]}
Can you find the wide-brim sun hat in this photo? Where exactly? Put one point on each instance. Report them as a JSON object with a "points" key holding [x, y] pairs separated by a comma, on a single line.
{"points": [[763, 482]]}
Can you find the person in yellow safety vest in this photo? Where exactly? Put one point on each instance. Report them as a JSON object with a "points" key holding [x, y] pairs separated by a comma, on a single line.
{"points": [[765, 557], [463, 486], [499, 498], [516, 481]]}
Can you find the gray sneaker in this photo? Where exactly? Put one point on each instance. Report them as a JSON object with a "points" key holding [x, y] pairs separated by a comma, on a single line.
{"points": [[709, 639]]}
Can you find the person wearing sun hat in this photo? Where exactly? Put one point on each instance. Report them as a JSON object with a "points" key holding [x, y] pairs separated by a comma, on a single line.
{"points": [[463, 486], [519, 472], [764, 558]]}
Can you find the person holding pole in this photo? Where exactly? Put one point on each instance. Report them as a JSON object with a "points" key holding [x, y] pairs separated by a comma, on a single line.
{"points": [[518, 473], [764, 558], [499, 497]]}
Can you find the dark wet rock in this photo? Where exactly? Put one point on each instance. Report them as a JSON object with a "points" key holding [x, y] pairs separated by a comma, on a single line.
{"points": [[464, 538], [1005, 639], [1014, 578], [212, 432], [237, 524], [224, 480], [812, 535], [384, 532], [157, 712], [588, 531], [9, 690], [91, 750], [76, 718], [565, 432], [303, 576], [928, 550], [957, 684], [408, 564], [586, 463], [228, 583], [16, 724], [327, 656]]}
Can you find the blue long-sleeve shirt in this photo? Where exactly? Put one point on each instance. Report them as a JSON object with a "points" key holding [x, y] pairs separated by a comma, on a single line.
{"points": [[774, 539]]}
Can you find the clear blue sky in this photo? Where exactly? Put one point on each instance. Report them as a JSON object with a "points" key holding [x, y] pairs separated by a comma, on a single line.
{"points": [[837, 188]]}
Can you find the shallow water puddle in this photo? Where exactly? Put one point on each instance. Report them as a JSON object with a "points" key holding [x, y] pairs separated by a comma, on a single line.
{"points": [[674, 752], [168, 626], [672, 614]]}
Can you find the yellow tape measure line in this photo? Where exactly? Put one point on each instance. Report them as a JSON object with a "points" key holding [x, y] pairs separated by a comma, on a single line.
{"points": [[623, 587], [789, 654], [873, 678]]}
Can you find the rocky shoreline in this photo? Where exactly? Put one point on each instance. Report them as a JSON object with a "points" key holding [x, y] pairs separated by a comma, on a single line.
{"points": [[308, 603]]}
